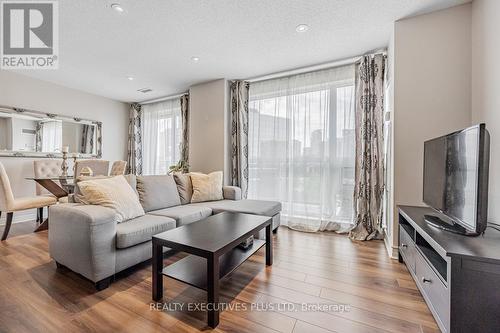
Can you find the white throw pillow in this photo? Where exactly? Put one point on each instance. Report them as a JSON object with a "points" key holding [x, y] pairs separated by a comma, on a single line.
{"points": [[114, 193], [206, 187]]}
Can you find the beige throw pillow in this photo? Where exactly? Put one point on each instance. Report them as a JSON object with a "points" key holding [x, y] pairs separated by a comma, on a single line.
{"points": [[206, 187], [77, 196], [114, 193]]}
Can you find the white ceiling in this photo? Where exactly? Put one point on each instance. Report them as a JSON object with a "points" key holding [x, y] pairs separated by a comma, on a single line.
{"points": [[154, 40]]}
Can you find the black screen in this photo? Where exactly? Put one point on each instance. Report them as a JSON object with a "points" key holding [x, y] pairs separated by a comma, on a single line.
{"points": [[451, 174]]}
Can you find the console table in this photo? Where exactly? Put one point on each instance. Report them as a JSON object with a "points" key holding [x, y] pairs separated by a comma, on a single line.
{"points": [[458, 276]]}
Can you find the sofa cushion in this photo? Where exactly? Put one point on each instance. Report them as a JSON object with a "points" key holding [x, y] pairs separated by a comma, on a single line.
{"points": [[184, 214], [157, 192], [141, 229], [257, 207], [184, 187]]}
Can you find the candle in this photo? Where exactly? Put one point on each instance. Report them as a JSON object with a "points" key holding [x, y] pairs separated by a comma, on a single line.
{"points": [[65, 149]]}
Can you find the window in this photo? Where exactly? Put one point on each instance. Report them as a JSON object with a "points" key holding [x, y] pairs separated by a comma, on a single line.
{"points": [[161, 136], [50, 132], [302, 147]]}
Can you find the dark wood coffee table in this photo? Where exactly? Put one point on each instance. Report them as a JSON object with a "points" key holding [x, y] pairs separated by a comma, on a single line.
{"points": [[213, 244]]}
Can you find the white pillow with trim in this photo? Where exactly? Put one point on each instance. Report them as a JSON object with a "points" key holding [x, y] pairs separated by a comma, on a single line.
{"points": [[114, 193]]}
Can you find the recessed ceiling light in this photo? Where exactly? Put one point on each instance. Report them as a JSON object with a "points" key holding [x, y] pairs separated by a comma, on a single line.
{"points": [[117, 8], [195, 59], [130, 78], [302, 28]]}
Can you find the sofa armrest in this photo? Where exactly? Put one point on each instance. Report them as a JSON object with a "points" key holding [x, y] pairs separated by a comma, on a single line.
{"points": [[83, 238], [231, 192]]}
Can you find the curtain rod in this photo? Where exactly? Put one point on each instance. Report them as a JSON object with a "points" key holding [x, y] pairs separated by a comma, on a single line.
{"points": [[161, 99], [300, 70], [313, 68]]}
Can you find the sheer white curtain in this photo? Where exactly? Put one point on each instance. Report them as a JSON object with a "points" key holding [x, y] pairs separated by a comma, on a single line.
{"points": [[161, 136], [302, 145], [51, 131]]}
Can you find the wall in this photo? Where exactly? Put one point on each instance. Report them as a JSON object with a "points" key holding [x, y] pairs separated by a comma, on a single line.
{"points": [[25, 92], [432, 91], [389, 156], [486, 87], [208, 127], [23, 141]]}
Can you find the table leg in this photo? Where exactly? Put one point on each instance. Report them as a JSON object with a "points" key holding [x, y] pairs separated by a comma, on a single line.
{"points": [[52, 187], [213, 291], [43, 224], [157, 272], [269, 245]]}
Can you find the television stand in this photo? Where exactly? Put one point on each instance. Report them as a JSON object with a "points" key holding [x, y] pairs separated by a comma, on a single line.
{"points": [[456, 228], [458, 276]]}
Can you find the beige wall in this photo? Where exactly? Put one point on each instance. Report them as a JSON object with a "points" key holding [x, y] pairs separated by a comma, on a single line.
{"points": [[432, 91], [486, 87], [390, 235], [25, 92], [208, 129]]}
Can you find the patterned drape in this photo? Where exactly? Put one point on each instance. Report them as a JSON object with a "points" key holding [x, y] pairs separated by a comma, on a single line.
{"points": [[134, 158], [185, 132], [369, 174], [98, 129], [239, 135], [38, 136], [87, 143]]}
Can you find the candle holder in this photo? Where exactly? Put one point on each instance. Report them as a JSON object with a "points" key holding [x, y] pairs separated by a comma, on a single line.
{"points": [[75, 156], [64, 165]]}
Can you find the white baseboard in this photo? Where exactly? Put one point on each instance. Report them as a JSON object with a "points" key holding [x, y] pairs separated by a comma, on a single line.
{"points": [[391, 250], [24, 216]]}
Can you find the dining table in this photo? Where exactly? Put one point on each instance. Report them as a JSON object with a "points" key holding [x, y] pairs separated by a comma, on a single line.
{"points": [[59, 186]]}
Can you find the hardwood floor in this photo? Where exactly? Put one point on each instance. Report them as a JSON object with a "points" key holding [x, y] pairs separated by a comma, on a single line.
{"points": [[322, 270]]}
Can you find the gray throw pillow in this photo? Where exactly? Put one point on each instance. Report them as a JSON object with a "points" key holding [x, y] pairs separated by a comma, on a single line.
{"points": [[157, 192], [184, 187]]}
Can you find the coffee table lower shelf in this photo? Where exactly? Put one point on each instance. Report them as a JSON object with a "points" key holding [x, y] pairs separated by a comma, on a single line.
{"points": [[193, 269]]}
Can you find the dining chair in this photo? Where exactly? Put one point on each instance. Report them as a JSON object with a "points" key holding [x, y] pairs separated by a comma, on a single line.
{"points": [[99, 167], [46, 168], [118, 168], [9, 204]]}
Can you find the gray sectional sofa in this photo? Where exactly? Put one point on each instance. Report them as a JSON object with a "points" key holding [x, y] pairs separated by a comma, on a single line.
{"points": [[88, 240]]}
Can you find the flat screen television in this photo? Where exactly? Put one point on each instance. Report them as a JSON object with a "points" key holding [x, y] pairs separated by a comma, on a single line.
{"points": [[456, 180]]}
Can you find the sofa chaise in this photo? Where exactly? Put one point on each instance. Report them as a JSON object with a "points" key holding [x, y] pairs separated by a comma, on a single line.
{"points": [[88, 240]]}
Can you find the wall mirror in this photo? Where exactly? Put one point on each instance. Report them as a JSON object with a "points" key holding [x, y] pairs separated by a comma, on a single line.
{"points": [[28, 133]]}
